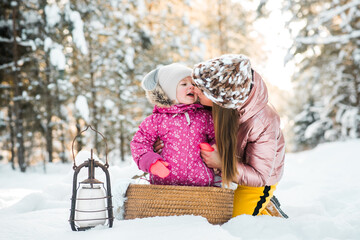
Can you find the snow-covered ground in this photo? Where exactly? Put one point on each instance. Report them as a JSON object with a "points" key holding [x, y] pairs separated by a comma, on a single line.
{"points": [[320, 191]]}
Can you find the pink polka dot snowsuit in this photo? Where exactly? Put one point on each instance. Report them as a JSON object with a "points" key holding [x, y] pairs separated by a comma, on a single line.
{"points": [[182, 128]]}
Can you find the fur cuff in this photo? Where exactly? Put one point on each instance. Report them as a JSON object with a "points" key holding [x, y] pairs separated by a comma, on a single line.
{"points": [[159, 98]]}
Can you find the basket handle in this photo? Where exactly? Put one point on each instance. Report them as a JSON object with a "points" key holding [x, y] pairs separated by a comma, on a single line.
{"points": [[106, 148]]}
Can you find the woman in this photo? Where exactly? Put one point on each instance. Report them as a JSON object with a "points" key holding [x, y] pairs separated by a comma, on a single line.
{"points": [[250, 147]]}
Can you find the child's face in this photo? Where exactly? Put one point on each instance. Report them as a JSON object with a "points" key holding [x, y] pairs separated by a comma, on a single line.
{"points": [[185, 91]]}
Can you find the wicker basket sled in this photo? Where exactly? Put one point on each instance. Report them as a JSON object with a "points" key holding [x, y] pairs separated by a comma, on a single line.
{"points": [[213, 203]]}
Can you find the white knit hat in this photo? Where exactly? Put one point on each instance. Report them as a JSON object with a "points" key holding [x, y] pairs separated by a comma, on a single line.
{"points": [[167, 77], [225, 80]]}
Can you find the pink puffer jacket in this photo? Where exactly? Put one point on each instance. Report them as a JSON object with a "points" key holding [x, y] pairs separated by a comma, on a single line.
{"points": [[182, 128], [260, 140]]}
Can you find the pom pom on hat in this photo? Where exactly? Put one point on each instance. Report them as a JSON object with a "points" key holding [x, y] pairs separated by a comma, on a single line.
{"points": [[225, 80]]}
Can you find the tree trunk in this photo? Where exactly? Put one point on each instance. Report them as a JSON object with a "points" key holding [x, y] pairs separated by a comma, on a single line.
{"points": [[19, 128], [62, 135], [47, 96], [49, 105], [122, 141], [79, 138], [93, 96], [357, 86], [122, 137], [12, 136], [61, 123], [62, 140], [357, 89]]}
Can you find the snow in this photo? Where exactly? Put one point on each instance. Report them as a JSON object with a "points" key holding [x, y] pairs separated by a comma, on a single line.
{"points": [[356, 56], [141, 8], [57, 57], [344, 15], [319, 191], [313, 129], [13, 3], [47, 44], [327, 15], [109, 104], [129, 58], [78, 31], [318, 39], [52, 13], [349, 122], [82, 107]]}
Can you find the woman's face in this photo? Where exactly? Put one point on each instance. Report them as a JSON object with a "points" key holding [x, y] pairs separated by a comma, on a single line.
{"points": [[203, 99]]}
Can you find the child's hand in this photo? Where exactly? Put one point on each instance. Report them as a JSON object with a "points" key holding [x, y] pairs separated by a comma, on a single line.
{"points": [[206, 147], [158, 146], [160, 169]]}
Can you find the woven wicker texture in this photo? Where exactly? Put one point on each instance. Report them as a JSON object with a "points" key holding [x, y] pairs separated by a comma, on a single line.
{"points": [[215, 204]]}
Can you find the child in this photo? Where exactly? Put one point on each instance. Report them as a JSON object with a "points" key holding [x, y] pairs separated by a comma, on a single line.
{"points": [[180, 123]]}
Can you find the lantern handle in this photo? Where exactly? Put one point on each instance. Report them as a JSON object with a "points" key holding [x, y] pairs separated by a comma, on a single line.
{"points": [[106, 148]]}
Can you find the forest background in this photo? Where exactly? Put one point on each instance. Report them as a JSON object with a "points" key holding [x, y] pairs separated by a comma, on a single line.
{"points": [[65, 64]]}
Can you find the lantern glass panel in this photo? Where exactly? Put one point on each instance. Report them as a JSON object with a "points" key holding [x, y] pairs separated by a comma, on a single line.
{"points": [[90, 205]]}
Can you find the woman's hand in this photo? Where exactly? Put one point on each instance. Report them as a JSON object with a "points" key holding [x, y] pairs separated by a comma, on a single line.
{"points": [[158, 146], [202, 98], [211, 159]]}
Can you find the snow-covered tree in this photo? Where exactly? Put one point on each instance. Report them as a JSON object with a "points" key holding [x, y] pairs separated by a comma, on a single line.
{"points": [[81, 62], [41, 30], [227, 27], [14, 57], [326, 50], [108, 80]]}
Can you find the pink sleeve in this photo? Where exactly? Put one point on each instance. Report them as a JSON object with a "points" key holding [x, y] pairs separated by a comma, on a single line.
{"points": [[260, 160], [142, 144]]}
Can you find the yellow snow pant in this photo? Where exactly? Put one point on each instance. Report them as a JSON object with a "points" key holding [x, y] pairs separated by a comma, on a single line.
{"points": [[252, 200]]}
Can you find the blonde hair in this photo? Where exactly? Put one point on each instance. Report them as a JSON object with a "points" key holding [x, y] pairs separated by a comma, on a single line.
{"points": [[226, 124]]}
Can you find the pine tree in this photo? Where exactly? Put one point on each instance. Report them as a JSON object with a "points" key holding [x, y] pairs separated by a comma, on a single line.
{"points": [[326, 49], [40, 86], [82, 62], [12, 58]]}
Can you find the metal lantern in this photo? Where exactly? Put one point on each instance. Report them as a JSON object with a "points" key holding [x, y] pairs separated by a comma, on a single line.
{"points": [[91, 203]]}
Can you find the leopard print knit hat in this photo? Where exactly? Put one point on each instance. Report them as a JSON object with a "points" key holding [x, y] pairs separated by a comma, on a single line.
{"points": [[225, 80]]}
